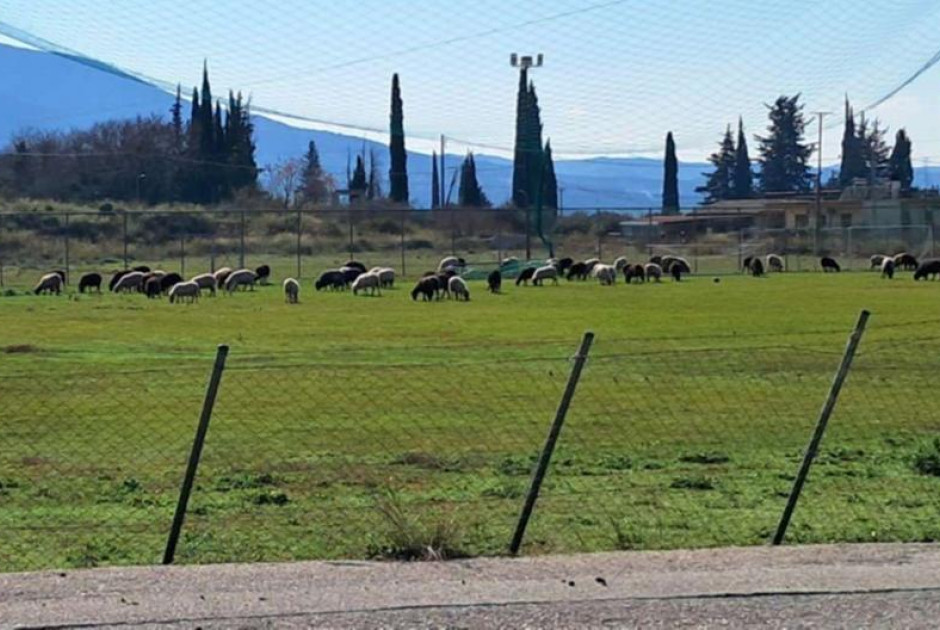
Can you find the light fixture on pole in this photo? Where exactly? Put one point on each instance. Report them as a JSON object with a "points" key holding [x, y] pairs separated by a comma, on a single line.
{"points": [[524, 63]]}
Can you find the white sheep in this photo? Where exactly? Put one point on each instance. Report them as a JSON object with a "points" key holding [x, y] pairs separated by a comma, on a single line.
{"points": [[449, 262], [590, 262], [877, 259], [458, 288], [370, 281], [206, 281], [619, 263], [221, 275], [774, 262], [548, 272], [242, 277], [386, 277], [605, 274], [653, 271], [180, 290], [129, 282], [49, 283], [291, 290]]}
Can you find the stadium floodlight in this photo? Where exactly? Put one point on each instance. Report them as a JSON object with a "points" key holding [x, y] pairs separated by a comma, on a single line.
{"points": [[526, 61]]}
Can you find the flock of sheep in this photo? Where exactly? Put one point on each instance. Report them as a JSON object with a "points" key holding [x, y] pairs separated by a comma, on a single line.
{"points": [[446, 280]]}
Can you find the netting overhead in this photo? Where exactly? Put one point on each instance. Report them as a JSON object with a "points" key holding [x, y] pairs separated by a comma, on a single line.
{"points": [[617, 74]]}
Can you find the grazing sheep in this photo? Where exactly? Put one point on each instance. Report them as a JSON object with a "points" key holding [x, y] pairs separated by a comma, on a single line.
{"points": [[905, 261], [774, 263], [563, 265], [443, 282], [141, 268], [167, 281], [188, 290], [116, 278], [676, 271], [355, 264], [221, 275], [494, 281], [426, 287], [605, 274], [928, 268], [757, 267], [386, 277], [206, 281], [876, 261], [152, 288], [619, 263], [746, 263], [512, 260], [548, 272], [653, 272], [656, 260], [60, 273], [291, 290], [639, 273], [458, 288], [628, 274], [90, 281], [525, 275], [829, 264], [887, 268], [49, 283], [578, 270], [332, 279], [590, 263], [132, 281], [350, 274], [367, 282], [240, 278], [675, 261], [450, 262], [263, 272]]}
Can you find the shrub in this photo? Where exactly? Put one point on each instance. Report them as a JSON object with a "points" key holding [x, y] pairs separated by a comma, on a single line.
{"points": [[927, 460]]}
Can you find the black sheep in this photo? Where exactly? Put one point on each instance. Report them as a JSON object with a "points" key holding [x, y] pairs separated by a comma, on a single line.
{"points": [[443, 282], [563, 265], [494, 281], [167, 281], [141, 268], [746, 263], [677, 262], [355, 264], [628, 273], [829, 264], [578, 270], [757, 267], [90, 281], [639, 273], [116, 278], [676, 271], [524, 276], [350, 274], [153, 287], [930, 267], [427, 288], [263, 272], [887, 268], [657, 260], [332, 279], [60, 273], [906, 262]]}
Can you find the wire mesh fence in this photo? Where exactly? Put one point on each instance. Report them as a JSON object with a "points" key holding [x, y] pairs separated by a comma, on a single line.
{"points": [[667, 446]]}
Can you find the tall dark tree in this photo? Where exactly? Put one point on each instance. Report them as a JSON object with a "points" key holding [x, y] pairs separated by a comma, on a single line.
{"points": [[398, 158], [358, 184], [719, 183], [176, 117], [314, 185], [549, 181], [899, 164], [670, 178], [470, 194], [374, 187], [853, 158], [875, 150], [534, 147], [435, 183], [520, 160], [239, 140], [742, 179], [784, 155]]}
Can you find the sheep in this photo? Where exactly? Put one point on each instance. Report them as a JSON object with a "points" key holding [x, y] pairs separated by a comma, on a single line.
{"points": [[905, 261], [656, 260], [242, 277], [639, 273], [829, 264], [386, 277], [605, 274], [458, 288], [929, 267], [291, 290], [876, 261], [494, 281], [578, 270], [619, 263], [221, 275], [129, 281], [757, 267], [746, 263], [548, 272], [60, 273], [628, 274], [426, 287], [182, 290], [152, 288], [90, 281], [49, 283], [675, 261], [563, 265], [448, 262], [206, 281], [512, 260], [167, 281], [887, 268], [141, 268], [676, 271], [355, 264], [332, 279], [263, 273], [774, 263], [443, 282], [367, 281], [590, 262], [116, 278], [665, 261], [350, 274], [653, 272], [525, 275]]}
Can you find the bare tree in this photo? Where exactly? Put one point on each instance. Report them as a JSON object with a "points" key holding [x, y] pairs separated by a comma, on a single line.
{"points": [[283, 179]]}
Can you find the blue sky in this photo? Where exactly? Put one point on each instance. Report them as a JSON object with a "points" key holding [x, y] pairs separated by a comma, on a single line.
{"points": [[618, 73]]}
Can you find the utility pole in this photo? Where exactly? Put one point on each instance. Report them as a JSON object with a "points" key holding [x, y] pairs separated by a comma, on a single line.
{"points": [[524, 63], [816, 223], [561, 201], [442, 175]]}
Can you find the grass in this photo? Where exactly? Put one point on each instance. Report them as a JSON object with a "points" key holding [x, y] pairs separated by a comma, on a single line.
{"points": [[354, 428]]}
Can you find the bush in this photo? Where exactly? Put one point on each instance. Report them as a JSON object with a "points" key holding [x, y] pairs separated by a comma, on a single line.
{"points": [[927, 461]]}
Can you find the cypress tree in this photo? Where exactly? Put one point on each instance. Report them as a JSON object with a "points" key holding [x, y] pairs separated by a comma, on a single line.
{"points": [[549, 181], [853, 160], [719, 183], [358, 184], [398, 168], [194, 132], [670, 178], [784, 154], [176, 112], [899, 164], [220, 174], [313, 185], [470, 194], [533, 146], [374, 187], [206, 119], [520, 160], [435, 183], [742, 179], [874, 150]]}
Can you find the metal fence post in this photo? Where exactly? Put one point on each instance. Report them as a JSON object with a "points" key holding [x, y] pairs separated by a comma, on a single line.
{"points": [[67, 272], [241, 249], [820, 429], [124, 237], [195, 454], [546, 455]]}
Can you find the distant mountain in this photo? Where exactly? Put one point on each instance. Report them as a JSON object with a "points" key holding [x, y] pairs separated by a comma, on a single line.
{"points": [[54, 92]]}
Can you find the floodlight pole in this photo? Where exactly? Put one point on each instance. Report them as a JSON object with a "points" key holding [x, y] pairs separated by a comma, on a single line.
{"points": [[524, 63], [820, 116]]}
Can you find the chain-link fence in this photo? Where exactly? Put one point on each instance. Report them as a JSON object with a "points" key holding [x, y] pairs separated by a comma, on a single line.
{"points": [[667, 443]]}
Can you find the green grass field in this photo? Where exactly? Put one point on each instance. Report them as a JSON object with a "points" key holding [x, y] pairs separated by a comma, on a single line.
{"points": [[376, 427]]}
